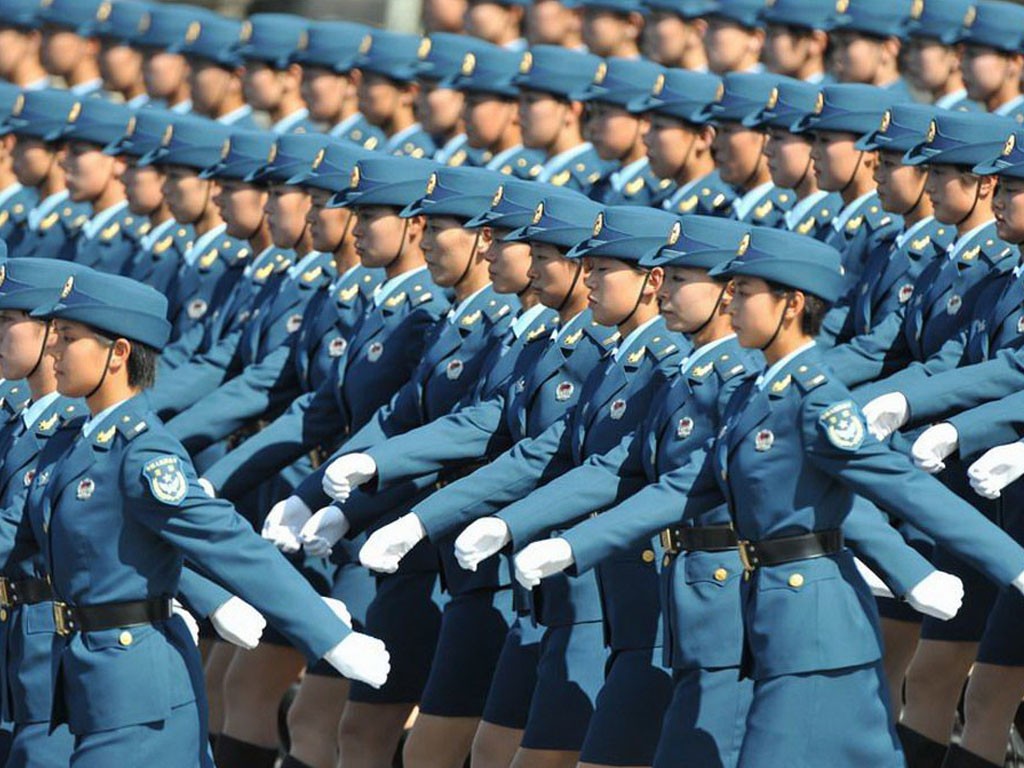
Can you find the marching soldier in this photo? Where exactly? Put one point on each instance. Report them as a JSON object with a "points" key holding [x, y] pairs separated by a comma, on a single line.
{"points": [[796, 39], [993, 59], [69, 50], [166, 71], [675, 31], [16, 200], [867, 38], [933, 56], [116, 26], [612, 28], [21, 42]]}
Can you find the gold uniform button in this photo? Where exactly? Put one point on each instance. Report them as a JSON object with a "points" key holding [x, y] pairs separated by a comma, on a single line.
{"points": [[648, 555], [721, 574], [665, 561], [125, 638], [3, 615], [796, 580]]}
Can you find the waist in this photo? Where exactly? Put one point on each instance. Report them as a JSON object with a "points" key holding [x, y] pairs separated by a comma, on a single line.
{"points": [[712, 538], [24, 592], [787, 549], [95, 618]]}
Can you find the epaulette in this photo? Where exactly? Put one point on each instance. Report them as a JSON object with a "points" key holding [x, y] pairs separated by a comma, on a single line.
{"points": [[662, 347], [540, 332], [715, 197], [235, 252], [877, 217], [183, 237], [605, 336], [262, 273], [346, 295], [161, 246], [208, 259], [281, 262], [314, 275], [497, 309], [56, 418], [995, 249], [418, 295], [130, 425], [73, 219], [809, 377], [727, 366]]}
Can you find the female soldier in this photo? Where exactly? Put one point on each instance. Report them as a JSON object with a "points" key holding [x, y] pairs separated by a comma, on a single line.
{"points": [[117, 511], [793, 452]]}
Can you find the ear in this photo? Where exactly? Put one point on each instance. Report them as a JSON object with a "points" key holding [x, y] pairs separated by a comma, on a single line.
{"points": [[987, 185], [655, 279], [120, 166], [576, 109], [636, 23], [796, 304], [119, 358], [819, 41], [294, 71], [484, 238], [892, 46], [700, 27]]}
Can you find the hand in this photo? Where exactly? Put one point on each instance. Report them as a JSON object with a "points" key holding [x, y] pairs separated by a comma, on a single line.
{"points": [[340, 610], [207, 487], [996, 469], [886, 413], [875, 584], [177, 609], [347, 472], [385, 548], [934, 445], [939, 594], [239, 623], [283, 523], [542, 559], [361, 657], [480, 540], [323, 530]]}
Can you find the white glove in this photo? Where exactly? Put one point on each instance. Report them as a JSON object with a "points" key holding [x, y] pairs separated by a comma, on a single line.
{"points": [[347, 472], [361, 657], [934, 445], [323, 530], [207, 487], [996, 469], [542, 559], [385, 548], [239, 623], [875, 584], [480, 540], [939, 594], [340, 610], [886, 413], [283, 523], [177, 609]]}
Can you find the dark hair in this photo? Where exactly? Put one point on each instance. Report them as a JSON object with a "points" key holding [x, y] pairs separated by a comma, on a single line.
{"points": [[142, 362], [815, 308]]}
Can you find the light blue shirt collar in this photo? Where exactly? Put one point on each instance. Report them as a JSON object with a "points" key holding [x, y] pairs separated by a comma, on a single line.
{"points": [[182, 107], [98, 221], [34, 410], [627, 343], [235, 115], [456, 312], [89, 86], [202, 242], [344, 276], [453, 145], [558, 333], [138, 102], [518, 45], [765, 378], [8, 192], [849, 211], [285, 124], [681, 193], [947, 101], [796, 214], [302, 264], [37, 85], [151, 238], [906, 234], [396, 141], [1010, 106], [815, 79], [953, 250], [525, 319], [702, 352], [503, 157], [90, 426], [346, 125], [385, 289], [562, 160], [624, 175], [744, 204], [45, 208]]}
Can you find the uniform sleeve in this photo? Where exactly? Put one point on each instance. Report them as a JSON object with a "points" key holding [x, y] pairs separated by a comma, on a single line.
{"points": [[598, 483], [517, 472], [870, 356], [686, 492], [199, 594], [211, 534], [989, 425], [261, 387], [968, 387], [197, 378], [917, 373], [879, 544], [889, 480], [181, 350]]}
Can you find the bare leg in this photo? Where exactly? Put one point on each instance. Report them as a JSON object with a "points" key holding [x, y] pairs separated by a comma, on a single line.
{"points": [[494, 746], [993, 695], [545, 758], [368, 734], [900, 638], [218, 658], [935, 680], [255, 682], [439, 742], [313, 720]]}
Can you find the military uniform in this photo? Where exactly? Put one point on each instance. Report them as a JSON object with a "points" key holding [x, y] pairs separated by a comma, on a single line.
{"points": [[996, 26]]}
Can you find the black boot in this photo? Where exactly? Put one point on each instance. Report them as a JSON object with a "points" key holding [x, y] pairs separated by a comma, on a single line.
{"points": [[958, 757], [232, 753], [291, 762], [920, 751]]}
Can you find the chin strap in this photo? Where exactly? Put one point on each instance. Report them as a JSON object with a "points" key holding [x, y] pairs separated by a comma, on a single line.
{"points": [[714, 311], [639, 299], [757, 165], [401, 248], [103, 378], [469, 263], [977, 197], [572, 288], [853, 176], [42, 351], [778, 328]]}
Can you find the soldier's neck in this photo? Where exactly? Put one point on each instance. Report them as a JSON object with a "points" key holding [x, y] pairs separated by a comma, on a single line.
{"points": [[159, 216], [400, 120], [85, 71], [982, 214], [919, 212], [42, 381], [289, 105], [231, 103], [410, 259], [182, 94], [260, 240], [7, 177], [954, 83], [111, 196], [859, 187], [345, 257], [646, 310], [637, 152], [810, 68], [209, 220], [576, 304], [115, 389], [789, 339], [134, 91], [27, 71], [568, 139], [627, 49], [1007, 93], [53, 183], [807, 186], [699, 166], [719, 327], [510, 137]]}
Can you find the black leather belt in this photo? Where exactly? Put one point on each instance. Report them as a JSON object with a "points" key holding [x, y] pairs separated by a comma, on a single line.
{"points": [[757, 554], [24, 592], [711, 538], [94, 618]]}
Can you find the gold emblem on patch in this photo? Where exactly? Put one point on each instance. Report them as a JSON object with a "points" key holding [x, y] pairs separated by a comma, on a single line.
{"points": [[76, 110], [225, 149], [272, 154], [130, 128], [245, 33], [355, 178], [431, 184], [165, 140], [366, 45], [842, 6], [819, 103], [424, 50], [916, 9], [601, 73], [319, 158], [970, 16], [720, 92], [193, 31], [19, 105], [303, 43], [498, 195]]}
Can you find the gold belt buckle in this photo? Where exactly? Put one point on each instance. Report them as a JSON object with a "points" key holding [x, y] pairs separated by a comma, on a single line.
{"points": [[666, 540], [5, 593], [748, 564], [61, 619]]}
